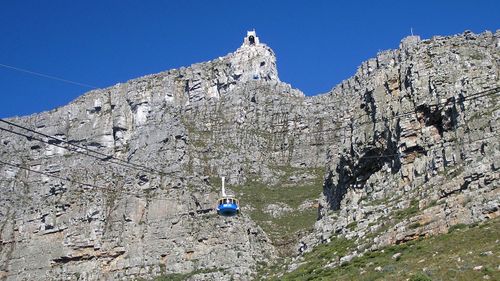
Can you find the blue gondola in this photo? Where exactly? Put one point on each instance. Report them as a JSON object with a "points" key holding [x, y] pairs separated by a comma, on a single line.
{"points": [[227, 205]]}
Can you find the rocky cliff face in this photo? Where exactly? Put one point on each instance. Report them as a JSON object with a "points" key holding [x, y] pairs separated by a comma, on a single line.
{"points": [[123, 182], [418, 149]]}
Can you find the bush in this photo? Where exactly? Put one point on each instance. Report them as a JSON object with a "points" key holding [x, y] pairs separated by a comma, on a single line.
{"points": [[420, 277], [456, 227]]}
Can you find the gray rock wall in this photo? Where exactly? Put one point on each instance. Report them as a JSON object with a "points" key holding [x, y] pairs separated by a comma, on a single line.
{"points": [[420, 148], [84, 217], [391, 160]]}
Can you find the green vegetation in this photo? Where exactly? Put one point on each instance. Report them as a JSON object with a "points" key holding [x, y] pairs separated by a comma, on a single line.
{"points": [[408, 212], [173, 277], [283, 229], [420, 277], [314, 267], [476, 55], [457, 227], [451, 172], [465, 253], [182, 276], [351, 226]]}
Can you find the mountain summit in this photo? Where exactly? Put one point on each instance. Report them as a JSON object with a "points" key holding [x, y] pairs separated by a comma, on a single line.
{"points": [[122, 183]]}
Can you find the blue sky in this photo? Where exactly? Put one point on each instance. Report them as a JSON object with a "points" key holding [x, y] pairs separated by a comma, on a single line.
{"points": [[101, 43]]}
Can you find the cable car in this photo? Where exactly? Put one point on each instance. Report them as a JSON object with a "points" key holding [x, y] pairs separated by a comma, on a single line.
{"points": [[227, 205]]}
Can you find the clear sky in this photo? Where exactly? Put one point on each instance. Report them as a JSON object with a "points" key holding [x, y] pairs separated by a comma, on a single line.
{"points": [[101, 43]]}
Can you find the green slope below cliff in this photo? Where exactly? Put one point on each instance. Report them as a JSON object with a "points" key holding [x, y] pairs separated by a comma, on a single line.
{"points": [[465, 253]]}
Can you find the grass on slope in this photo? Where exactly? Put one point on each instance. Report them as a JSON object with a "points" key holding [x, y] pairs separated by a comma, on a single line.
{"points": [[282, 229], [465, 253]]}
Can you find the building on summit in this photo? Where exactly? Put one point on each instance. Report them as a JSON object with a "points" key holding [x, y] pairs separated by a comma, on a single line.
{"points": [[251, 39]]}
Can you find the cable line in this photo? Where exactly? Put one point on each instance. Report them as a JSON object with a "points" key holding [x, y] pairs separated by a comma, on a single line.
{"points": [[47, 76], [137, 194], [207, 210], [104, 157], [474, 96], [130, 165], [68, 179], [73, 150], [52, 176], [425, 150], [93, 186]]}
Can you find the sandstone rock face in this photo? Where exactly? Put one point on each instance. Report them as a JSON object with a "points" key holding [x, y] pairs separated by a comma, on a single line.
{"points": [[76, 214], [127, 187], [419, 147]]}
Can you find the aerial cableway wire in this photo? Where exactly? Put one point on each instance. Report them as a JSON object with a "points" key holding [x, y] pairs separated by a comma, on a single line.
{"points": [[47, 76], [93, 186], [197, 211], [450, 101], [29, 137], [96, 187], [453, 99], [102, 156], [460, 99], [423, 150], [140, 167], [130, 165], [475, 96], [139, 194]]}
